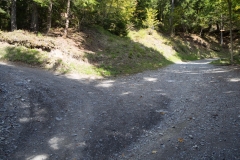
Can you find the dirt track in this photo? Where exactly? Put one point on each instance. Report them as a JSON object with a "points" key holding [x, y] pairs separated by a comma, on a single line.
{"points": [[184, 111]]}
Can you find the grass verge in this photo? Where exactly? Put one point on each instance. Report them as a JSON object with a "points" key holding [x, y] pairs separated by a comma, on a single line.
{"points": [[111, 55]]}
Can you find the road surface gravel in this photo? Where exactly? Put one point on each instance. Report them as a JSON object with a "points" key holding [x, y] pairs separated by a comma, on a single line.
{"points": [[184, 111]]}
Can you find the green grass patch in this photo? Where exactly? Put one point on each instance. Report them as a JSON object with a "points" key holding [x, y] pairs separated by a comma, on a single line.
{"points": [[222, 61], [24, 55], [226, 61]]}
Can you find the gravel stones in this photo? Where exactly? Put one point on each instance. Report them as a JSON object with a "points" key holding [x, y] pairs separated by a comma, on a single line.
{"points": [[183, 111]]}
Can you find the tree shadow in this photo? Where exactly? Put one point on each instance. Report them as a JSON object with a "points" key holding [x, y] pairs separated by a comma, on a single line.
{"points": [[55, 121], [124, 56]]}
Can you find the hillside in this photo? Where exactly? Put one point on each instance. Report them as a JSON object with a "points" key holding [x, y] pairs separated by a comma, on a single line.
{"points": [[98, 52]]}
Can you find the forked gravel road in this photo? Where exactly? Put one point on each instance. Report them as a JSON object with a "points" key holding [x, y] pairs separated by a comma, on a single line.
{"points": [[186, 111]]}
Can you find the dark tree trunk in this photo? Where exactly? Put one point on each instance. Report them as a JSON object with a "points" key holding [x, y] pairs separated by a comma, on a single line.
{"points": [[49, 17], [34, 19], [230, 18], [13, 15], [221, 40], [171, 19], [67, 20]]}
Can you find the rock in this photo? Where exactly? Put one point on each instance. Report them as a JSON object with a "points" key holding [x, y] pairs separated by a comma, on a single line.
{"points": [[2, 138], [190, 136], [18, 96], [195, 147], [58, 118], [3, 109]]}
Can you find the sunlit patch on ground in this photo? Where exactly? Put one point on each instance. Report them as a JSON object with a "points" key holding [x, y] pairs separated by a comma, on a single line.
{"points": [[234, 79], [55, 142], [149, 79], [39, 157]]}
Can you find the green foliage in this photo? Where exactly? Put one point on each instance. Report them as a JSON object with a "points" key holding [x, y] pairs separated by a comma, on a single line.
{"points": [[151, 19]]}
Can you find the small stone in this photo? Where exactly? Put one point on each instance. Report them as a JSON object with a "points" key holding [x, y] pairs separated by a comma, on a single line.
{"points": [[190, 136], [195, 147], [18, 96], [58, 118], [2, 138], [3, 109], [22, 100]]}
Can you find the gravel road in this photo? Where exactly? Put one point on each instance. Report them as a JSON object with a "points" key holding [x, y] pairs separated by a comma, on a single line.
{"points": [[184, 111]]}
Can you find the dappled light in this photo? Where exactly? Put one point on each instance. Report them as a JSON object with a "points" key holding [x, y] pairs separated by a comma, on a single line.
{"points": [[234, 79], [74, 117], [39, 157], [55, 142], [125, 93], [105, 84], [150, 79]]}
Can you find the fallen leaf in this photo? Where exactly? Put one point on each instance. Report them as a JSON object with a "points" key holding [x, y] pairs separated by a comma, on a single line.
{"points": [[181, 140]]}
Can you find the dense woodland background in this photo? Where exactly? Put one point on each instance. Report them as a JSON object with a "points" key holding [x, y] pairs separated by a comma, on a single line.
{"points": [[118, 16]]}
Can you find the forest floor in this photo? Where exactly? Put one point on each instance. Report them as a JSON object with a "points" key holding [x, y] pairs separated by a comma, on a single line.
{"points": [[97, 52], [189, 110]]}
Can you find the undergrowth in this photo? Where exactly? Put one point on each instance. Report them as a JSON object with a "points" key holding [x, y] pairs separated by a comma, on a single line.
{"points": [[113, 55]]}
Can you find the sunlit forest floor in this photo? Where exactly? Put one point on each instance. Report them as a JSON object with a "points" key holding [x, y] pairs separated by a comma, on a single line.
{"points": [[97, 52]]}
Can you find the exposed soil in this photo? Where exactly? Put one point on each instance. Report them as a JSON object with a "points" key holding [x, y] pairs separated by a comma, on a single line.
{"points": [[184, 111]]}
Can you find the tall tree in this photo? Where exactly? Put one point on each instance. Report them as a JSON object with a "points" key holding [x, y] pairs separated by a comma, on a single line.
{"points": [[13, 15], [67, 19], [171, 18], [230, 19], [34, 18]]}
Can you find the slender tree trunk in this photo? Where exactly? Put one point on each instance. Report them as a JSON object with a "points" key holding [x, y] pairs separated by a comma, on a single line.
{"points": [[221, 30], [230, 18], [34, 20], [49, 17], [171, 19], [67, 20], [200, 34], [13, 15]]}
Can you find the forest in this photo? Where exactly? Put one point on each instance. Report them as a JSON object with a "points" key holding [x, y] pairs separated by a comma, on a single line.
{"points": [[118, 16]]}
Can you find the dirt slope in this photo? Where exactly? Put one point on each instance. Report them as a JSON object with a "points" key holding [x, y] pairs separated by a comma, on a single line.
{"points": [[185, 111]]}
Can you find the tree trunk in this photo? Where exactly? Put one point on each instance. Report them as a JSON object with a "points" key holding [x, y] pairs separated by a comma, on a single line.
{"points": [[230, 18], [13, 15], [34, 20], [49, 17], [67, 20], [221, 40], [171, 19]]}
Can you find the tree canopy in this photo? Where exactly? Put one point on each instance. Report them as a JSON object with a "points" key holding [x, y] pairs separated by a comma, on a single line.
{"points": [[118, 16]]}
